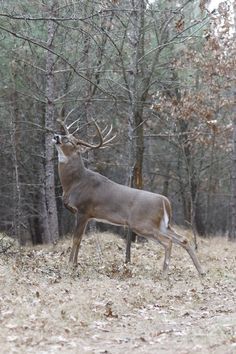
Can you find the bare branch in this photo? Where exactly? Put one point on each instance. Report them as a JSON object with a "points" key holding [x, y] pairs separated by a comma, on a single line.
{"points": [[44, 46]]}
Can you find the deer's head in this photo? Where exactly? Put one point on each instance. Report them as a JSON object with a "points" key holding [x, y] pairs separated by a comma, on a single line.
{"points": [[66, 144], [69, 143]]}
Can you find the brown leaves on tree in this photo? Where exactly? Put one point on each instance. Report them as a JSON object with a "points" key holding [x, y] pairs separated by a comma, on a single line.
{"points": [[205, 101], [202, 4], [179, 25]]}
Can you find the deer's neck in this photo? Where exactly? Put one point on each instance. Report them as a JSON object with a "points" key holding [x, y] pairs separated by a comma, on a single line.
{"points": [[71, 170]]}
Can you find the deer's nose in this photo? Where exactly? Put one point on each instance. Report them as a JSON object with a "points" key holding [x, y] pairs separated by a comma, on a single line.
{"points": [[57, 138]]}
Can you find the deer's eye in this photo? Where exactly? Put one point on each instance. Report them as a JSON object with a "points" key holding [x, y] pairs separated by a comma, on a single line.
{"points": [[65, 140]]}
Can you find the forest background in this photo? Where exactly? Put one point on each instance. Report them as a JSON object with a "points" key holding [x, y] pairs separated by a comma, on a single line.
{"points": [[161, 72]]}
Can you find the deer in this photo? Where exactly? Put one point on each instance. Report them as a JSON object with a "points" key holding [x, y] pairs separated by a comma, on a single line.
{"points": [[90, 195]]}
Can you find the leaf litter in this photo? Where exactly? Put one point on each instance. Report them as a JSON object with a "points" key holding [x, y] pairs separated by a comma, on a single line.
{"points": [[106, 306]]}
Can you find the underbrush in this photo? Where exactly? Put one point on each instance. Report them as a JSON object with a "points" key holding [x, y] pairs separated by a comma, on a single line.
{"points": [[106, 306]]}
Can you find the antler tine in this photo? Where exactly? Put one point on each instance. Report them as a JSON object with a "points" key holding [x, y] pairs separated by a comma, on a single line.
{"points": [[104, 130], [73, 123], [102, 139], [110, 140], [63, 126], [99, 134], [108, 133], [61, 121], [107, 142], [75, 131], [68, 114]]}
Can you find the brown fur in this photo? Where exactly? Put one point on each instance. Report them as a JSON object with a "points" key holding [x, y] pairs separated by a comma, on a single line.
{"points": [[93, 196]]}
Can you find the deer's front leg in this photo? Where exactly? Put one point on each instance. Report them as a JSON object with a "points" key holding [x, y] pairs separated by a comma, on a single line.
{"points": [[81, 223], [67, 204]]}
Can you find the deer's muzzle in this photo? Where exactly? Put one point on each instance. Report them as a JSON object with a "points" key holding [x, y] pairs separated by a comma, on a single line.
{"points": [[57, 139]]}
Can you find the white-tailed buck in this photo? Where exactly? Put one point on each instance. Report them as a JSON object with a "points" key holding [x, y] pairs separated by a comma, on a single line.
{"points": [[90, 195]]}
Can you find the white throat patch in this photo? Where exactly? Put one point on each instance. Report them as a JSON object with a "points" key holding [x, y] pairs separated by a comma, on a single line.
{"points": [[61, 157]]}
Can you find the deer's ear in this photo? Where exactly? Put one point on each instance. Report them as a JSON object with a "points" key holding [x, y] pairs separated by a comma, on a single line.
{"points": [[80, 148]]}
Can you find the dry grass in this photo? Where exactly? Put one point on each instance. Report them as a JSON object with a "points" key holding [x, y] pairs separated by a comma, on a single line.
{"points": [[107, 307]]}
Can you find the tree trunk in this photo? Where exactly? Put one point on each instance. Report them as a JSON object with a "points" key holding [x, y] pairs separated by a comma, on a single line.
{"points": [[51, 233], [233, 182], [135, 119], [232, 234], [15, 139]]}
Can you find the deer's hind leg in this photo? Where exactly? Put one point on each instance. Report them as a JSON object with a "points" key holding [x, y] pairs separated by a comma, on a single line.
{"points": [[184, 242], [81, 223], [167, 244]]}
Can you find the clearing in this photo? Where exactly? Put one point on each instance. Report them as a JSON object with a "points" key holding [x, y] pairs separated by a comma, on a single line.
{"points": [[107, 307]]}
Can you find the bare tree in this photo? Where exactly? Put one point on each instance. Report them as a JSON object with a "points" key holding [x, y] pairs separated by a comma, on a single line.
{"points": [[15, 140], [51, 233], [233, 172]]}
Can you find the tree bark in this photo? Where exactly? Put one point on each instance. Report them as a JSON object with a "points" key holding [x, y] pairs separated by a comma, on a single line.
{"points": [[15, 139], [233, 183], [51, 233], [135, 119], [232, 234]]}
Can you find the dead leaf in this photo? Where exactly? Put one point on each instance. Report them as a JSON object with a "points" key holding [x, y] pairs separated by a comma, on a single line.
{"points": [[179, 25]]}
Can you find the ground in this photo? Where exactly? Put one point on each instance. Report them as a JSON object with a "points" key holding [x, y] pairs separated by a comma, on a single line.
{"points": [[107, 307]]}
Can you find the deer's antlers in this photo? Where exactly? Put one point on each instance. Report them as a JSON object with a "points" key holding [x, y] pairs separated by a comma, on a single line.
{"points": [[104, 140]]}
